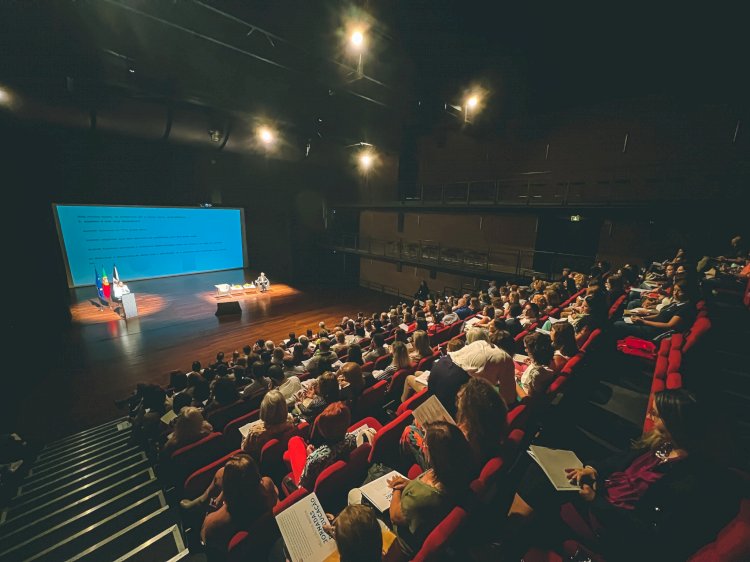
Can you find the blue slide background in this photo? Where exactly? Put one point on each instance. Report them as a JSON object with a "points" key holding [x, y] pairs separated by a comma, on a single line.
{"points": [[149, 242]]}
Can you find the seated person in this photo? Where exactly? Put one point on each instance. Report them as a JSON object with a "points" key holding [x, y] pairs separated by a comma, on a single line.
{"points": [[677, 317], [648, 503], [418, 505], [355, 354], [323, 359], [275, 423], [340, 344], [319, 396], [351, 382], [420, 346], [399, 361], [331, 424], [377, 348], [223, 393], [189, 427], [259, 383], [262, 282], [530, 314], [242, 497], [563, 338], [288, 386], [537, 375], [462, 309], [358, 534], [481, 414]]}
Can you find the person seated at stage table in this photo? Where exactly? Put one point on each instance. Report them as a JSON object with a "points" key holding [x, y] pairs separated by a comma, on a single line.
{"points": [[262, 282], [288, 386]]}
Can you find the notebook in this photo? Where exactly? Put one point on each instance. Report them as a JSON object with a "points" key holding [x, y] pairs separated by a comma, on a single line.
{"points": [[378, 493], [554, 462]]}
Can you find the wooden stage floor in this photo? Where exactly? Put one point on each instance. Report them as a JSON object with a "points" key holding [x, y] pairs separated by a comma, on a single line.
{"points": [[105, 355]]}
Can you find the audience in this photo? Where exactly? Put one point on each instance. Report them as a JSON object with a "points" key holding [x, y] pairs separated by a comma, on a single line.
{"points": [[275, 423], [538, 374]]}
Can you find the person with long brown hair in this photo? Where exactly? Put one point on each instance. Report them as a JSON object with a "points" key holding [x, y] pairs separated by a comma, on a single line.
{"points": [[661, 500], [419, 505], [244, 498]]}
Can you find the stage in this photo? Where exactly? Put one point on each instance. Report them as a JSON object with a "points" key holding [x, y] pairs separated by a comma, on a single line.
{"points": [[106, 355]]}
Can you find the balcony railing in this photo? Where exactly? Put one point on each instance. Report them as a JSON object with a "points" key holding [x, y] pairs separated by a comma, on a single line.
{"points": [[492, 262]]}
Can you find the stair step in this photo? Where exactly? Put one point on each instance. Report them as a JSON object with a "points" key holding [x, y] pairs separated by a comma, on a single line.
{"points": [[36, 538], [78, 441], [50, 490], [50, 472], [37, 521], [167, 545], [47, 504], [76, 436], [129, 538], [105, 529], [59, 478], [90, 449]]}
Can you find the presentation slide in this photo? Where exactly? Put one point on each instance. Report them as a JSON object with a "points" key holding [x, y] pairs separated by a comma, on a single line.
{"points": [[147, 242]]}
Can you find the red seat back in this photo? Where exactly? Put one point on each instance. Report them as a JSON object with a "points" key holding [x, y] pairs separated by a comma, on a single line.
{"points": [[732, 544], [198, 481], [222, 416], [426, 363], [382, 362], [256, 542], [272, 459], [699, 328], [413, 402], [332, 486], [385, 446], [396, 384], [190, 458], [232, 434], [371, 401], [436, 542]]}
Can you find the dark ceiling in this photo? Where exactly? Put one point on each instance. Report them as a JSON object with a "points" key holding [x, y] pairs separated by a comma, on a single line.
{"points": [[285, 60]]}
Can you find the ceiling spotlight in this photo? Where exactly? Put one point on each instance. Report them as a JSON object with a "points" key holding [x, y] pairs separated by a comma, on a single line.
{"points": [[357, 39], [4, 96], [266, 135], [472, 102], [366, 160]]}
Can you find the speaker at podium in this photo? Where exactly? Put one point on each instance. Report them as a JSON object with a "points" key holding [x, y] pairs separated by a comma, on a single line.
{"points": [[129, 308], [228, 308]]}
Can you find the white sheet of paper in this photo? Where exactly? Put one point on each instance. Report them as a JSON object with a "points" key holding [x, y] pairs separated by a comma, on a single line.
{"points": [[168, 417], [554, 462], [424, 377], [430, 411], [378, 493], [639, 290], [360, 429], [627, 319], [520, 358], [245, 429], [404, 327], [301, 526], [546, 332], [556, 320]]}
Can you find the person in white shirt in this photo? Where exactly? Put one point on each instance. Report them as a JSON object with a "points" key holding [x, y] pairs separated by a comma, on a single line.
{"points": [[482, 359], [262, 282], [118, 289], [288, 386]]}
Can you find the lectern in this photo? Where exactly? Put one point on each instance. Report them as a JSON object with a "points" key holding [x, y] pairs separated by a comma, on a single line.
{"points": [[129, 307]]}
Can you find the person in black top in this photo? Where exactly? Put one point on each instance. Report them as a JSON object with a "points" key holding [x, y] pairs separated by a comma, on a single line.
{"points": [[677, 317], [423, 293], [661, 500], [568, 282]]}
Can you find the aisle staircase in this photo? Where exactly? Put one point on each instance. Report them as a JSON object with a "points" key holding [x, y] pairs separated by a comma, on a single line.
{"points": [[92, 496]]}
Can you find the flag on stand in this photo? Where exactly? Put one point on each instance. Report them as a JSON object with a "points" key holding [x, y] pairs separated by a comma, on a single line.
{"points": [[98, 282], [115, 275], [106, 289]]}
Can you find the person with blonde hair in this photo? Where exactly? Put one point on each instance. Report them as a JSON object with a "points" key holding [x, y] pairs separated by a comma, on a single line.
{"points": [[358, 535], [401, 360], [189, 427], [275, 423]]}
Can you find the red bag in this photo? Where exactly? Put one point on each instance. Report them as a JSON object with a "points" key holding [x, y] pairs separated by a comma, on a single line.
{"points": [[637, 347]]}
